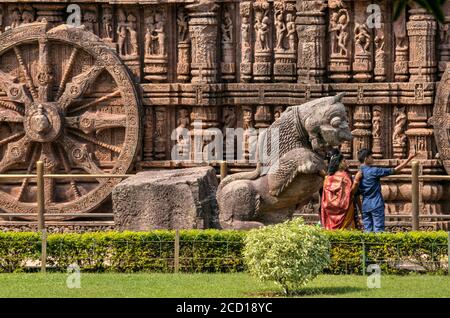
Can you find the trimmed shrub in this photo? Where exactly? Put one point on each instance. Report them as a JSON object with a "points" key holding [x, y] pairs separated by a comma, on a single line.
{"points": [[214, 251], [290, 253]]}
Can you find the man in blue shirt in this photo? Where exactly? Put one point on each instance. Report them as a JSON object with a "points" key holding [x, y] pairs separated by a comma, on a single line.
{"points": [[370, 190]]}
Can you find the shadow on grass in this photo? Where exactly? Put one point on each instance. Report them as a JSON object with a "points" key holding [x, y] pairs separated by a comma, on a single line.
{"points": [[310, 291]]}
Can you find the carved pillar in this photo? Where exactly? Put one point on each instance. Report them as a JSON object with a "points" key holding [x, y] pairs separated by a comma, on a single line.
{"points": [[339, 36], [422, 45], [311, 31], [228, 64], [184, 46], [245, 9], [160, 132], [401, 69], [285, 67], [362, 64], [203, 30], [362, 122], [444, 45], [419, 134], [377, 129], [155, 45], [127, 40], [398, 136], [262, 66], [149, 127]]}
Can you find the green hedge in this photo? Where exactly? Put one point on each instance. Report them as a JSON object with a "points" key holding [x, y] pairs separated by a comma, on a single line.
{"points": [[213, 251]]}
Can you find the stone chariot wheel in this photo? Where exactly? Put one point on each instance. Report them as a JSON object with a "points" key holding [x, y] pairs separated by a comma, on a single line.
{"points": [[441, 119], [65, 99]]}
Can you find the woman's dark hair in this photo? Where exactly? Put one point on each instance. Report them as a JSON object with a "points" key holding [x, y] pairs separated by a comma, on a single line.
{"points": [[363, 154], [332, 153], [334, 163]]}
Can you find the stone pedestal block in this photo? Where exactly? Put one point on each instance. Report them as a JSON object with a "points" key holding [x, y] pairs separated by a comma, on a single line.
{"points": [[167, 199]]}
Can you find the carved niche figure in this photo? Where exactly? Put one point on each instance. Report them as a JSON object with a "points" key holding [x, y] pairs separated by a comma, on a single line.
{"points": [[289, 176], [280, 30], [379, 46], [339, 34], [15, 18], [261, 30], [27, 16], [89, 21], [245, 36], [182, 141], [398, 136], [107, 23], [122, 33], [291, 31], [182, 23], [160, 34], [150, 35], [133, 34], [362, 37], [227, 27], [443, 33], [277, 112]]}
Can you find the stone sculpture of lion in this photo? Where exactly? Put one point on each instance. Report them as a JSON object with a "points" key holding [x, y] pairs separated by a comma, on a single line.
{"points": [[288, 166]]}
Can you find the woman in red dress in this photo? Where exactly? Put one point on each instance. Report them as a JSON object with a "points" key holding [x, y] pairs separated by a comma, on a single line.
{"points": [[338, 208]]}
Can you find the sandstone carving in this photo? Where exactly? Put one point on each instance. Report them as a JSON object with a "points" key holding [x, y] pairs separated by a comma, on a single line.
{"points": [[289, 175], [167, 199]]}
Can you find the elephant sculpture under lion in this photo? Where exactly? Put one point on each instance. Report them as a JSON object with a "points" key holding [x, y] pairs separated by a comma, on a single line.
{"points": [[290, 156]]}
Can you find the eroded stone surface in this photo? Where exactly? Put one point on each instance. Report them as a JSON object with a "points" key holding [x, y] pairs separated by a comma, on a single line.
{"points": [[167, 199]]}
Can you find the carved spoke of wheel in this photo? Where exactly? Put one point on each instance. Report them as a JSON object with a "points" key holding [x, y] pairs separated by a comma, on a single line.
{"points": [[62, 101]]}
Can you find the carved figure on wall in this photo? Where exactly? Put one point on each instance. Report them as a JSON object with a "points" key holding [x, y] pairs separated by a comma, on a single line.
{"points": [[280, 29], [261, 31], [339, 34], [27, 16], [443, 33], [89, 21], [133, 34], [182, 23], [290, 175], [362, 37], [398, 136], [245, 35], [277, 112], [122, 33], [183, 124], [15, 18], [160, 34], [227, 27], [379, 46], [291, 31], [376, 124], [107, 23], [149, 35]]}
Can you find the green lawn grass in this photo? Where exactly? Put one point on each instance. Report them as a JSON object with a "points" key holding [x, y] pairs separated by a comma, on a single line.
{"points": [[215, 285]]}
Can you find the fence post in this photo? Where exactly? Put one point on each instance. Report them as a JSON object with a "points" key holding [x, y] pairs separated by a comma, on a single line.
{"points": [[41, 211], [223, 170], [415, 195], [364, 258], [177, 251]]}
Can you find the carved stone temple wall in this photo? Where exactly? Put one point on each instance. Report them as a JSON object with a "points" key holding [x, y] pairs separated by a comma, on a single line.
{"points": [[233, 64]]}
